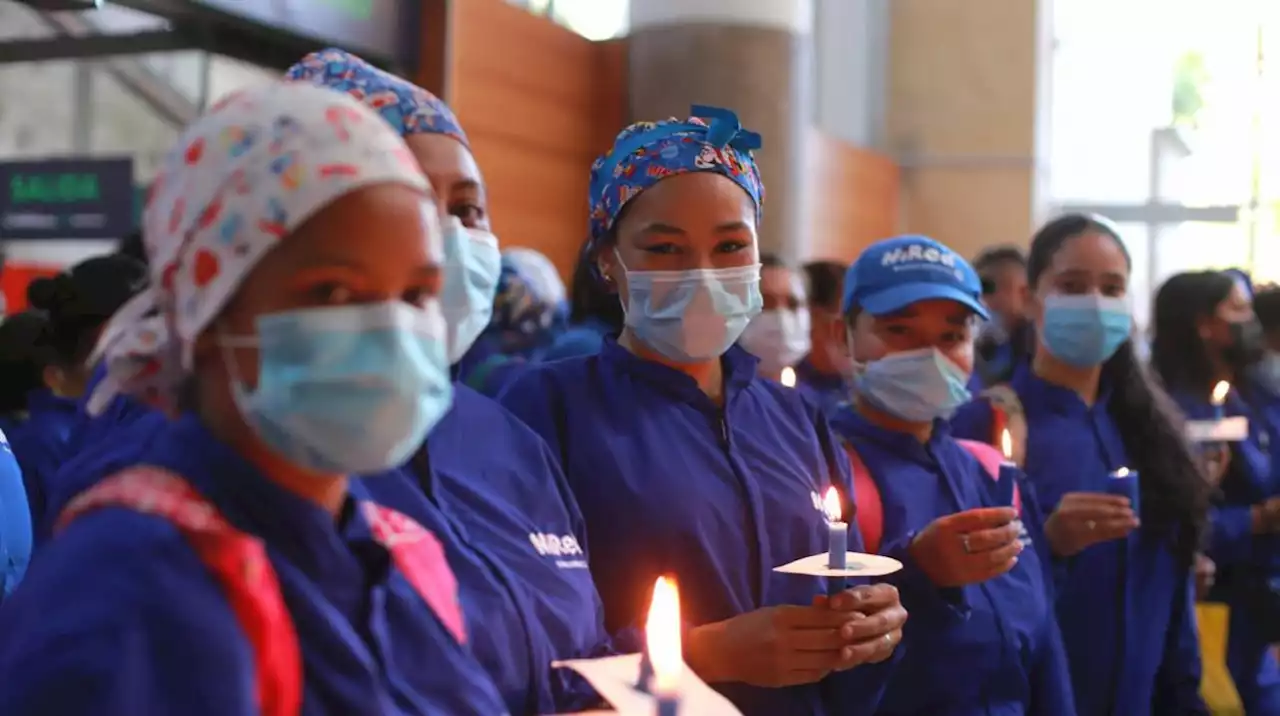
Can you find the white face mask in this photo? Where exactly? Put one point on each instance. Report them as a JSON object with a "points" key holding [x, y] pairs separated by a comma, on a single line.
{"points": [[779, 338], [472, 267]]}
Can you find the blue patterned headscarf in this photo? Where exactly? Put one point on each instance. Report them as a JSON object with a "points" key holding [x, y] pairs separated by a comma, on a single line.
{"points": [[712, 140], [406, 106]]}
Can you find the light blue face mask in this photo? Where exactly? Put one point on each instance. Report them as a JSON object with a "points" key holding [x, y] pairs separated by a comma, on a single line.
{"points": [[692, 316], [1086, 330], [472, 267], [349, 389], [918, 386]]}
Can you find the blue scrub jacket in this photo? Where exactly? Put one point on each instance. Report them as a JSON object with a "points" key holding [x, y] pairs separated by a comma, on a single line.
{"points": [[985, 649], [671, 483], [119, 616], [15, 520], [491, 490], [1126, 607]]}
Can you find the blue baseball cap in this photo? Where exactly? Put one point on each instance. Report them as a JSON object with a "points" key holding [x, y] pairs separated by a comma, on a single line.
{"points": [[895, 273]]}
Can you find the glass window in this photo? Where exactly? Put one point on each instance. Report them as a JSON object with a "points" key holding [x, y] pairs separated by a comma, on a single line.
{"points": [[593, 19]]}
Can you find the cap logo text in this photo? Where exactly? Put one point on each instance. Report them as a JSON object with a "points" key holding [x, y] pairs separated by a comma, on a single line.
{"points": [[918, 252]]}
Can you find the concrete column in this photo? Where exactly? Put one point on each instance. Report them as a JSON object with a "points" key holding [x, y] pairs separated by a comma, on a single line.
{"points": [[967, 108], [753, 56]]}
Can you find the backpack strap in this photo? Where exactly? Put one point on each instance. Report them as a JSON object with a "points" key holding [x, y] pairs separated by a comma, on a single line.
{"points": [[237, 561], [420, 558], [991, 461], [870, 513], [1007, 414]]}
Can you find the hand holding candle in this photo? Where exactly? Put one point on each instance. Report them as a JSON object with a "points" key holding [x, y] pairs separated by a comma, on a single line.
{"points": [[663, 644]]}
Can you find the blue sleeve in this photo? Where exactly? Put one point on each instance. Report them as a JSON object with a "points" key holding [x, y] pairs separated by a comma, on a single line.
{"points": [[157, 637], [1051, 690], [926, 602], [1231, 534], [533, 399], [1177, 687], [974, 421], [570, 691], [15, 530]]}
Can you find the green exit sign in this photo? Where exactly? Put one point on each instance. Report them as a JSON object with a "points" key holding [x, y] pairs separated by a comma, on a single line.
{"points": [[71, 198], [53, 188]]}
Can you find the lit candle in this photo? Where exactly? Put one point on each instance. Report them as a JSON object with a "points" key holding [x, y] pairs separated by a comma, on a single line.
{"points": [[662, 638], [1124, 482], [788, 377], [1219, 399], [1006, 444], [837, 530]]}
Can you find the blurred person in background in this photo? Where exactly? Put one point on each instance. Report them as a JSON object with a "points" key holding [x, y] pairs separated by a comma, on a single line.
{"points": [[1205, 332], [75, 304], [1002, 341], [522, 327], [683, 459], [1076, 413], [780, 335], [544, 279], [482, 480], [594, 312], [823, 376], [235, 567]]}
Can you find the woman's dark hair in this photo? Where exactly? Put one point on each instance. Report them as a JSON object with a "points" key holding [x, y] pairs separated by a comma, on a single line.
{"points": [[77, 302], [1178, 354], [997, 255], [1174, 494], [24, 355], [824, 281], [1266, 305], [133, 247], [589, 297]]}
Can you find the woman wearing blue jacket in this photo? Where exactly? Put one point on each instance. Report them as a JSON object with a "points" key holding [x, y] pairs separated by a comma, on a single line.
{"points": [[683, 461], [982, 637], [234, 568], [1205, 331], [484, 482], [1084, 409]]}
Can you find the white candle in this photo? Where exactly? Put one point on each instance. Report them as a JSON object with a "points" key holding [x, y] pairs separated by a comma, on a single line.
{"points": [[837, 530], [787, 377]]}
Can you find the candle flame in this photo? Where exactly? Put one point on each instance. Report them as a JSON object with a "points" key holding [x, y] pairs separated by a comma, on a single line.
{"points": [[1122, 472], [788, 377], [831, 505], [1006, 444], [1220, 392], [662, 634]]}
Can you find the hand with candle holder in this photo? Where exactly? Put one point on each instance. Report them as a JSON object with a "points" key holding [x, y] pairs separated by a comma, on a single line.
{"points": [[1083, 519], [968, 547], [790, 644]]}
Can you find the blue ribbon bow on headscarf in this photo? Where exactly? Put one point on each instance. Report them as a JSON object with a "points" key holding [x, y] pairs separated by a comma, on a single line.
{"points": [[406, 106], [712, 140]]}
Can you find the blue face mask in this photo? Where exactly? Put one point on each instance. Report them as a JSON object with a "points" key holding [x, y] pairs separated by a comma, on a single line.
{"points": [[349, 389], [918, 386], [472, 266], [1084, 331], [692, 316]]}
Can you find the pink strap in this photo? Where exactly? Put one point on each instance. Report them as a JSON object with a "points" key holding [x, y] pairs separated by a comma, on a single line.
{"points": [[420, 558], [238, 562], [991, 461], [866, 496]]}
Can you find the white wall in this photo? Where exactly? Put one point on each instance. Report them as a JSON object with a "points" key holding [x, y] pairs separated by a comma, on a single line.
{"points": [[851, 58]]}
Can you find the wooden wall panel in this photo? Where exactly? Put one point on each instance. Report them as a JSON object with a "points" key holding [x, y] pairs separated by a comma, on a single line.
{"points": [[854, 197], [539, 103]]}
